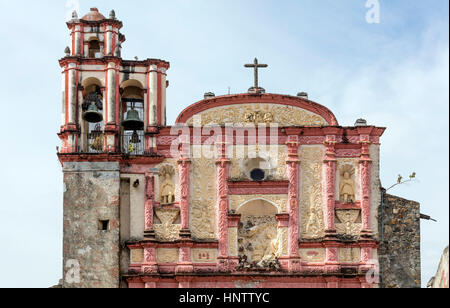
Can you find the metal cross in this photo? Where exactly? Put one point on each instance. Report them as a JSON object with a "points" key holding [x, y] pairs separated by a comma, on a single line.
{"points": [[256, 65]]}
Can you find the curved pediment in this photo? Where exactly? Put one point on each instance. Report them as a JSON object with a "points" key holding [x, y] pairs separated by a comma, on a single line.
{"points": [[257, 109]]}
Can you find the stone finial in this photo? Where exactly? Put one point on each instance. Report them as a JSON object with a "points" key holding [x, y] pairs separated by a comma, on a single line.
{"points": [[303, 95], [361, 122], [209, 95], [67, 51], [74, 15], [112, 14]]}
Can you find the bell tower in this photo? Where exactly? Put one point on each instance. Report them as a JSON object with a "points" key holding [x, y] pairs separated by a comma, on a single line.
{"points": [[101, 91], [112, 111]]}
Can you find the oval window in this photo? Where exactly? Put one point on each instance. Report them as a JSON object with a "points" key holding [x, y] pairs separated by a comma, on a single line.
{"points": [[257, 175]]}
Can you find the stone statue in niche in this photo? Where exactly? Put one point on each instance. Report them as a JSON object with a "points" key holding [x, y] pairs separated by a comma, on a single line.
{"points": [[347, 185], [167, 188]]}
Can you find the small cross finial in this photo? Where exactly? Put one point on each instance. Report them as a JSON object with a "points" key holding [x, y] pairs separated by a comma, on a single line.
{"points": [[256, 66]]}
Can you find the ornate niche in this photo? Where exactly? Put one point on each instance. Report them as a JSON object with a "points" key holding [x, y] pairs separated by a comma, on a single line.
{"points": [[167, 185], [347, 184], [258, 237]]}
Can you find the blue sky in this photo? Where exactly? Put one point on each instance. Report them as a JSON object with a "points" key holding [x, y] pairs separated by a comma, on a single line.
{"points": [[394, 74]]}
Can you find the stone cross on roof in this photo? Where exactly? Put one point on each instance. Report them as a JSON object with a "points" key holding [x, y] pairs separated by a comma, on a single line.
{"points": [[256, 66]]}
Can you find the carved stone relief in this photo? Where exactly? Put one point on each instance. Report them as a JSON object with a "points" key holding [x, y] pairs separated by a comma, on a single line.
{"points": [[166, 183], [349, 255], [203, 255], [351, 166], [167, 230], [258, 239], [203, 199], [347, 222], [260, 113], [375, 194], [166, 255], [312, 222], [167, 186], [347, 184], [313, 255]]}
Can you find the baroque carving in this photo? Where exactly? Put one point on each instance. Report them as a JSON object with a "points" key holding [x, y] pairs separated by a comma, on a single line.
{"points": [[167, 230], [201, 255], [203, 199], [349, 255], [258, 117], [314, 255], [167, 187], [259, 244], [167, 255], [311, 201], [347, 224], [347, 187], [258, 239], [260, 113]]}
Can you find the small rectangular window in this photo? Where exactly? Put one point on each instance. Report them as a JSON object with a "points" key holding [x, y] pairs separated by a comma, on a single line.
{"points": [[103, 225]]}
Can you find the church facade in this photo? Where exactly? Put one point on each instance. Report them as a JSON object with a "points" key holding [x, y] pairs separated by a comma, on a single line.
{"points": [[244, 190]]}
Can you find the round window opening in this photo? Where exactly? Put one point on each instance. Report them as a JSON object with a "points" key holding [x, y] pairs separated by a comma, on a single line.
{"points": [[257, 175]]}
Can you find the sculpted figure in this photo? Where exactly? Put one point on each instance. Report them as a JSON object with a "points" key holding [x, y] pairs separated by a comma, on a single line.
{"points": [[268, 117], [347, 188], [167, 186]]}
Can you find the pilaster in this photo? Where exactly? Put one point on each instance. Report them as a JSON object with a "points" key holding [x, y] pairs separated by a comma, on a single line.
{"points": [[222, 165], [293, 164]]}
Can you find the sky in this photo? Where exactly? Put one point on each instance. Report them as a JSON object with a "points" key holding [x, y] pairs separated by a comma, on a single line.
{"points": [[394, 74]]}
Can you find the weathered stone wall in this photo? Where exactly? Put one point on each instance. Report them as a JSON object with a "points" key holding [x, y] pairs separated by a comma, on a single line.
{"points": [[91, 195], [399, 253]]}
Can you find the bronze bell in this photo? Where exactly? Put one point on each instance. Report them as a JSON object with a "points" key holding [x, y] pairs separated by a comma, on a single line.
{"points": [[135, 138], [92, 115], [133, 122]]}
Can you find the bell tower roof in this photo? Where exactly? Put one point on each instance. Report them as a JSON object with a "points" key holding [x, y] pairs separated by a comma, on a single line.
{"points": [[93, 15]]}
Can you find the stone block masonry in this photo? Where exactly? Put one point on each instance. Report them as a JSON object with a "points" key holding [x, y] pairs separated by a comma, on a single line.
{"points": [[399, 243], [91, 225]]}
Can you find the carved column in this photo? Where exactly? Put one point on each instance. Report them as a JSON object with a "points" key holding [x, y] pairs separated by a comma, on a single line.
{"points": [[152, 96], [185, 262], [184, 165], [222, 165], [293, 199], [149, 203], [365, 164], [110, 106], [330, 184], [70, 130]]}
